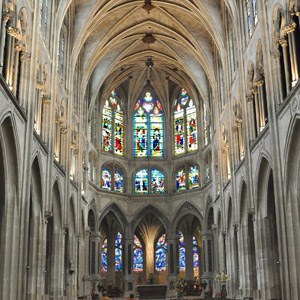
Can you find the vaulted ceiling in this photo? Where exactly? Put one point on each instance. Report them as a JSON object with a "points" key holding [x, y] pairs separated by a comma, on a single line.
{"points": [[115, 39]]}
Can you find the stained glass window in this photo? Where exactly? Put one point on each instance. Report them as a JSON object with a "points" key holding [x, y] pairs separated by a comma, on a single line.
{"points": [[252, 16], [206, 131], [119, 181], [185, 124], [182, 254], [187, 177], [138, 255], [149, 181], [112, 178], [113, 125], [148, 127], [104, 256], [157, 182], [195, 256], [193, 177], [141, 182], [118, 252], [106, 179], [181, 244], [161, 254]]}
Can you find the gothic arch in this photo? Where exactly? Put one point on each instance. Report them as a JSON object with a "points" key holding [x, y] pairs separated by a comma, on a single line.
{"points": [[140, 214], [184, 210], [263, 172], [33, 230], [117, 212], [9, 205], [57, 205], [292, 200]]}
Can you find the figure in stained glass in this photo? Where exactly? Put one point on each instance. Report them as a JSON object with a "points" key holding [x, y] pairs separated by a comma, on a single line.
{"points": [[148, 128], [112, 125], [194, 181], [157, 182], [141, 182], [180, 180], [119, 181], [185, 124], [118, 253], [161, 254], [181, 245], [195, 256], [104, 256], [106, 179], [138, 255]]}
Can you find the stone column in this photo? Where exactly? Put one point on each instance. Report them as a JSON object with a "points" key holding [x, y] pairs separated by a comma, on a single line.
{"points": [[172, 264], [278, 86], [290, 30], [110, 278], [95, 240], [283, 42], [189, 265], [128, 280]]}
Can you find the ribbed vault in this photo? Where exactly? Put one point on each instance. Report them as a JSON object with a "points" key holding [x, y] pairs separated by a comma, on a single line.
{"points": [[114, 39]]}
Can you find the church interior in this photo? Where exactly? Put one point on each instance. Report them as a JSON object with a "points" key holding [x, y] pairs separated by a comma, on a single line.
{"points": [[150, 145]]}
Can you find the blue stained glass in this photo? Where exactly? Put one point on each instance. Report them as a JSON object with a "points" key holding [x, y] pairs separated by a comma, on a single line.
{"points": [[195, 256], [148, 128], [141, 182], [119, 181], [194, 181], [180, 180], [157, 182], [106, 179], [104, 256], [161, 254], [118, 252], [138, 255], [181, 244]]}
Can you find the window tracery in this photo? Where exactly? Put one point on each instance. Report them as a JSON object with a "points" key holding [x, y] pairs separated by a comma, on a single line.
{"points": [[148, 127], [187, 177], [112, 178], [149, 181]]}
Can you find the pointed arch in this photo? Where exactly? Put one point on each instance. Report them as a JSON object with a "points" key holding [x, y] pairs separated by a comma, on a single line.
{"points": [[117, 212], [140, 214], [187, 208]]}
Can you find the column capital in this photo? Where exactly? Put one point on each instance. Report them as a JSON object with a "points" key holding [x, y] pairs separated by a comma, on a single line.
{"points": [[283, 42], [290, 27]]}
